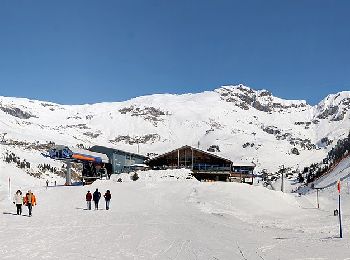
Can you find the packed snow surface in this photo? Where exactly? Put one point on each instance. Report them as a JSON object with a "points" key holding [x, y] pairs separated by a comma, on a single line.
{"points": [[169, 215]]}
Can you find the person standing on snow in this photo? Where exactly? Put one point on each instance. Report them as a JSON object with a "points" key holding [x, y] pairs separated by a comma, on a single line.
{"points": [[18, 200], [30, 201], [88, 199], [108, 174], [96, 197], [107, 197]]}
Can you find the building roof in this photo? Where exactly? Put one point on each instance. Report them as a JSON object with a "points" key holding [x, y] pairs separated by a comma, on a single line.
{"points": [[248, 164], [194, 149], [103, 157], [119, 151]]}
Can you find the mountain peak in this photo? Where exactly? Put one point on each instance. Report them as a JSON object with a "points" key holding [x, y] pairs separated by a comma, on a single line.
{"points": [[262, 100]]}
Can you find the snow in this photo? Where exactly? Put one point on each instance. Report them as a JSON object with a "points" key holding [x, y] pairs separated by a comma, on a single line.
{"points": [[208, 118], [164, 217], [156, 176], [168, 214], [340, 172]]}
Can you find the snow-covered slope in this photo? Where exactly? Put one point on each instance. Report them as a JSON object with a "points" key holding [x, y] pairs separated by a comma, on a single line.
{"points": [[168, 214], [243, 123], [164, 217], [340, 172]]}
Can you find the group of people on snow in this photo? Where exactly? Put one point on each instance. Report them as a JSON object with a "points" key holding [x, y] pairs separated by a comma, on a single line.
{"points": [[96, 196], [28, 200]]}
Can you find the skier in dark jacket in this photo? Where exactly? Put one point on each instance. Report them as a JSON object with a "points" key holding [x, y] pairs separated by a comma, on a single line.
{"points": [[96, 198], [107, 197]]}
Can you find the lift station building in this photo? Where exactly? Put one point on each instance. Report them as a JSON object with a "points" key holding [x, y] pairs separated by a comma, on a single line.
{"points": [[121, 161]]}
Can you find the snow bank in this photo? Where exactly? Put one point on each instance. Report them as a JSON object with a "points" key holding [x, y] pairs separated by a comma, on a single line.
{"points": [[157, 176], [18, 180], [252, 204]]}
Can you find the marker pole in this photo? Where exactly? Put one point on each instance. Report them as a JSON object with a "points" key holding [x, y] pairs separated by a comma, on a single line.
{"points": [[340, 225], [9, 188]]}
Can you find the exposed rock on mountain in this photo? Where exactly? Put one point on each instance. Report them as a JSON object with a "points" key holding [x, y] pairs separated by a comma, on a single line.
{"points": [[247, 124], [16, 112]]}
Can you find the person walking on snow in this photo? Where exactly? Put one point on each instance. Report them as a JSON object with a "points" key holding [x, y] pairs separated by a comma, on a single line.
{"points": [[30, 201], [96, 198], [18, 200], [88, 199], [107, 197]]}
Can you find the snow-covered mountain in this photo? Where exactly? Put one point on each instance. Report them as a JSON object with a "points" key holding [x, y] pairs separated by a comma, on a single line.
{"points": [[233, 121], [192, 219]]}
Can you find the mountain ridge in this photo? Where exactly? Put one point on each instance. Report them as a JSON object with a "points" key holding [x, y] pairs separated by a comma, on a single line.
{"points": [[239, 122]]}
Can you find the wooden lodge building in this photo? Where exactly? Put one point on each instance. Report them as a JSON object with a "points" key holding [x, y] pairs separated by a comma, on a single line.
{"points": [[205, 165]]}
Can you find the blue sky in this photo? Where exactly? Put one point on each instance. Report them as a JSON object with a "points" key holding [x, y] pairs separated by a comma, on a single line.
{"points": [[84, 51]]}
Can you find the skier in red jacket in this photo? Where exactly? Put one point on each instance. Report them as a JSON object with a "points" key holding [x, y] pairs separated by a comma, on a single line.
{"points": [[88, 199]]}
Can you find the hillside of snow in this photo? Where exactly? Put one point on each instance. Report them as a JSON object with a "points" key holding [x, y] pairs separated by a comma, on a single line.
{"points": [[164, 215], [236, 122], [340, 172]]}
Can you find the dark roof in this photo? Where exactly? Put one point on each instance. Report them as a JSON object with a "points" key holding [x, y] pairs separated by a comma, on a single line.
{"points": [[194, 149], [117, 151]]}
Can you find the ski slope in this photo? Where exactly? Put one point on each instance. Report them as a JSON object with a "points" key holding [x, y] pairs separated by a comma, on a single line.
{"points": [[166, 215], [340, 172]]}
